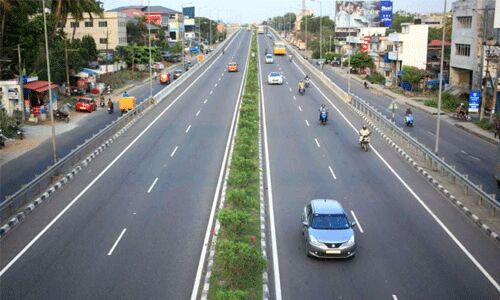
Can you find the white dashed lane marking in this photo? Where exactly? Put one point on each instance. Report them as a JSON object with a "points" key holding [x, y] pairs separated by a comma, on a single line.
{"points": [[198, 113], [317, 143], [117, 241], [300, 108], [152, 185], [187, 129], [331, 172], [307, 123], [211, 92], [204, 102], [173, 152]]}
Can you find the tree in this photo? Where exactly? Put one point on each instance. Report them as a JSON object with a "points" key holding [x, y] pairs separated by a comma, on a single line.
{"points": [[137, 31], [61, 9], [88, 49], [176, 48], [360, 60], [401, 17], [137, 54], [412, 75], [436, 33]]}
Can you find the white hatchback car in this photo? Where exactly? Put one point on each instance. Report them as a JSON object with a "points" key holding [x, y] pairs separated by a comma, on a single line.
{"points": [[275, 78], [269, 58]]}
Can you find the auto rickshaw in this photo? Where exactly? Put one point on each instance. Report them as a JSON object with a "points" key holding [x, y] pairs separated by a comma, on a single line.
{"points": [[126, 104]]}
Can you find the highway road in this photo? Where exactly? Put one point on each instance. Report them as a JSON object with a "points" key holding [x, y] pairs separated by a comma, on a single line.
{"points": [[24, 168], [131, 226], [469, 153], [412, 243]]}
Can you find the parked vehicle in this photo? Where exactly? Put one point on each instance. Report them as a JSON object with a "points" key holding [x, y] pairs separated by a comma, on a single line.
{"points": [[62, 113], [327, 231], [2, 139], [126, 104], [19, 131], [85, 104]]}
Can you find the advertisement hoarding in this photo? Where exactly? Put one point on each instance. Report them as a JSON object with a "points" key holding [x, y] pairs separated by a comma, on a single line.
{"points": [[356, 14], [474, 100], [188, 12], [153, 19]]}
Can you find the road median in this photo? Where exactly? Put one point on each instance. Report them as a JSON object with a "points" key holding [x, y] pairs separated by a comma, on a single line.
{"points": [[239, 263]]}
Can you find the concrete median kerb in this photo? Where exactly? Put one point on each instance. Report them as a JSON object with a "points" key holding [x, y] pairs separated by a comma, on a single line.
{"points": [[466, 211]]}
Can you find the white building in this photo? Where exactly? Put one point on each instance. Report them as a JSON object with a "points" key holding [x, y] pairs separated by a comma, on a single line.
{"points": [[10, 97], [409, 48]]}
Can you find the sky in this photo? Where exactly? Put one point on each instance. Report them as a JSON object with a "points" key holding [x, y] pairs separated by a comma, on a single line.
{"points": [[245, 11]]}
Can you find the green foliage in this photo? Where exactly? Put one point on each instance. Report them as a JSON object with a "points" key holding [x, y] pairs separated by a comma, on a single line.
{"points": [[401, 17], [412, 75], [121, 78], [485, 124], [176, 48], [437, 33], [88, 50], [233, 219], [449, 102], [231, 295], [431, 103], [136, 54], [375, 78], [137, 32], [360, 60], [208, 28], [331, 56], [241, 262], [5, 124]]}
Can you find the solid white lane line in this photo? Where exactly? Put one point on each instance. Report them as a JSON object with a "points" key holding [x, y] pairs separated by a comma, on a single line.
{"points": [[394, 297], [331, 171], [206, 244], [274, 246], [204, 102], [117, 241], [357, 222], [96, 179], [187, 129], [317, 143], [152, 185], [173, 152], [307, 123], [198, 113], [300, 108], [419, 200], [211, 92]]}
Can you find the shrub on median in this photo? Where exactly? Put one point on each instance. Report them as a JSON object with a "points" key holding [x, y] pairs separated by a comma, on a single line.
{"points": [[231, 295], [233, 219], [241, 262]]}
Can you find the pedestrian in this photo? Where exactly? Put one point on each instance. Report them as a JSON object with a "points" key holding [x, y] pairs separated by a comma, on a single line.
{"points": [[497, 127]]}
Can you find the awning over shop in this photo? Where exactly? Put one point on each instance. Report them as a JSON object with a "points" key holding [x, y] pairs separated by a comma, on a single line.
{"points": [[91, 71], [39, 86], [82, 75]]}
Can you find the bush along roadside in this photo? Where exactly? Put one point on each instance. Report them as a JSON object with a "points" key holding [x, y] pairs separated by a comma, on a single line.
{"points": [[238, 264]]}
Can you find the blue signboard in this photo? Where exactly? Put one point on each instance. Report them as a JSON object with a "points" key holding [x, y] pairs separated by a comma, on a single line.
{"points": [[386, 13], [474, 100]]}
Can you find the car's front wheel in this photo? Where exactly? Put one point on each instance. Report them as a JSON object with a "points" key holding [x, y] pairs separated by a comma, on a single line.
{"points": [[308, 250]]}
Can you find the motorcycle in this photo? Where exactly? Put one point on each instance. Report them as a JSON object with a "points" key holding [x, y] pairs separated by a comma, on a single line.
{"points": [[110, 109], [366, 85], [323, 117], [365, 141], [19, 130], [307, 82], [409, 120], [302, 91], [61, 115], [461, 116]]}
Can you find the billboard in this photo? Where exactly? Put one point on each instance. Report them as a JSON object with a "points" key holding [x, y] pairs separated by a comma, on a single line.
{"points": [[153, 19], [363, 14], [188, 12]]}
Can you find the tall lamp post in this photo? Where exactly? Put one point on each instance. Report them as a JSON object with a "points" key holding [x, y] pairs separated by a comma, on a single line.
{"points": [[320, 29], [438, 119]]}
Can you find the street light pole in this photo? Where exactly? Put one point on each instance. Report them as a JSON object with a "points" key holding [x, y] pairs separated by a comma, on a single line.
{"points": [[51, 111], [21, 91], [150, 58], [438, 120]]}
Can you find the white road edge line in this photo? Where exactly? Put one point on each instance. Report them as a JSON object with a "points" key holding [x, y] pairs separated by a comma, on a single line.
{"points": [[62, 212], [307, 123], [152, 185], [357, 222], [198, 112], [317, 143], [331, 172], [197, 280], [173, 152], [117, 241], [274, 247], [187, 129], [429, 211]]}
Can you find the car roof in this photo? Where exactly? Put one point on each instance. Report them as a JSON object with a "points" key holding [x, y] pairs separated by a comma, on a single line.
{"points": [[84, 98], [232, 63], [274, 74], [269, 54], [326, 206], [178, 70]]}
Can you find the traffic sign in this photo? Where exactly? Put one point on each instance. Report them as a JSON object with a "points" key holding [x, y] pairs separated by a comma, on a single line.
{"points": [[474, 100]]}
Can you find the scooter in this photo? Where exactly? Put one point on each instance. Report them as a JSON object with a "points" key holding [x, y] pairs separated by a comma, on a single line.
{"points": [[461, 116], [60, 115], [323, 117], [365, 141], [409, 120], [19, 130], [366, 85], [307, 82], [110, 109], [302, 91]]}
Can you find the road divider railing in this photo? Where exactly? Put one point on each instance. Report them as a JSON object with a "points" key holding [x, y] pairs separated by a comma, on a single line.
{"points": [[432, 161], [16, 206]]}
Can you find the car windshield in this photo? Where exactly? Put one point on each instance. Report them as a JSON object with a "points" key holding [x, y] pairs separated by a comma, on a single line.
{"points": [[85, 101], [274, 74], [232, 65], [269, 56], [335, 222]]}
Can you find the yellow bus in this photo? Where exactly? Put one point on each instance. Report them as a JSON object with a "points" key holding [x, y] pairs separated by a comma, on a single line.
{"points": [[279, 48]]}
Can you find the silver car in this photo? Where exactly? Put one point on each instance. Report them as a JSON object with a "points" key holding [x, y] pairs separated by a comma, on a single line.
{"points": [[327, 230]]}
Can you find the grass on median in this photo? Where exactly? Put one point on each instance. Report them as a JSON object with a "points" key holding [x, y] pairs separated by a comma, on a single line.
{"points": [[238, 266]]}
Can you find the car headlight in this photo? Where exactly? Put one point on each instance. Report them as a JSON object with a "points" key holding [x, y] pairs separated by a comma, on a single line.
{"points": [[350, 242], [314, 241]]}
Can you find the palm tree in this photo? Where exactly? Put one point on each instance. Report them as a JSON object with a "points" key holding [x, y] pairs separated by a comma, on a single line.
{"points": [[76, 8], [5, 8]]}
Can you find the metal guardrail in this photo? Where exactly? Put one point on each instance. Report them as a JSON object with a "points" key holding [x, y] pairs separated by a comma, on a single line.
{"points": [[43, 181], [432, 161]]}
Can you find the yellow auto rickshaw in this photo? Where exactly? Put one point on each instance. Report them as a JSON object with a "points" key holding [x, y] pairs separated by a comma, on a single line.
{"points": [[126, 104]]}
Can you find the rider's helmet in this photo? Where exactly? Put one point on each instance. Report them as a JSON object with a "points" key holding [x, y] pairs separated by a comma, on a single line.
{"points": [[364, 126]]}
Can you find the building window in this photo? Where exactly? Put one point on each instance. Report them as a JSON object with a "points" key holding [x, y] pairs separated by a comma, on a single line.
{"points": [[89, 24], [103, 41], [462, 49], [75, 24], [103, 23], [464, 22]]}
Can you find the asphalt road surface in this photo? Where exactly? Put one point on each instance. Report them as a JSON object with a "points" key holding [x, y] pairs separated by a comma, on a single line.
{"points": [[412, 243], [469, 153], [136, 230], [24, 168]]}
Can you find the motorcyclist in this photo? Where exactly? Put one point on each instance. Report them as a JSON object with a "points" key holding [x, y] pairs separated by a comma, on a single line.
{"points": [[363, 133], [365, 84], [321, 109], [125, 94], [301, 85], [110, 104], [290, 57], [223, 50], [307, 80], [408, 112], [461, 110]]}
